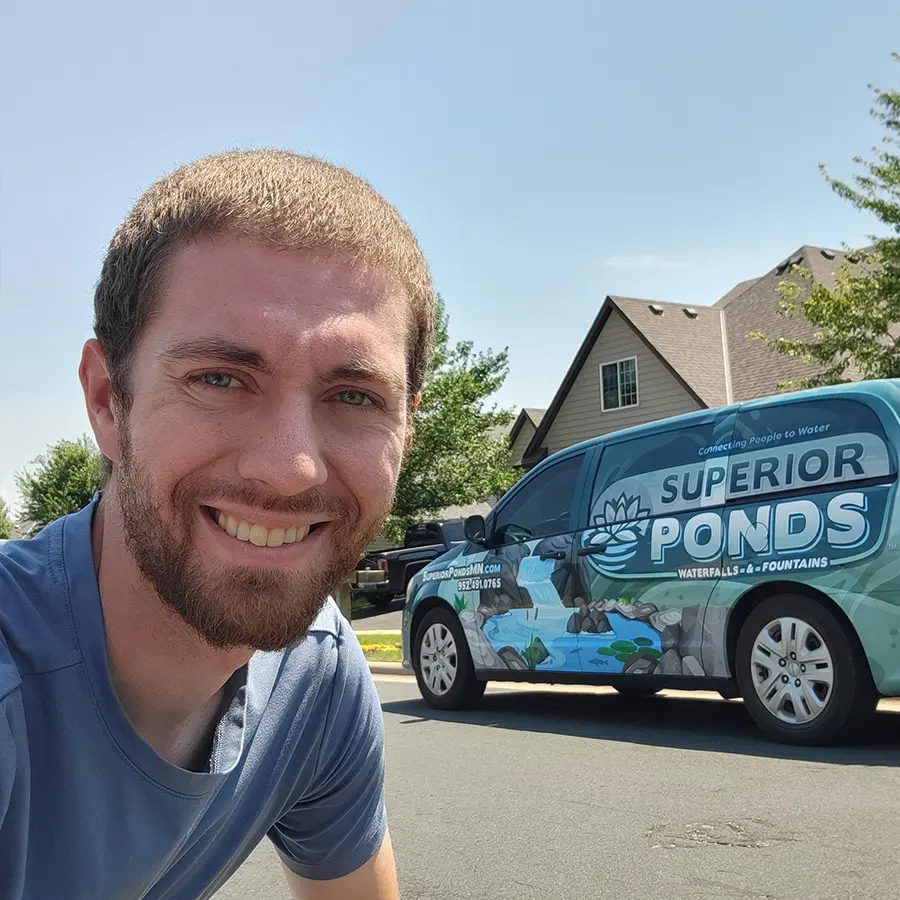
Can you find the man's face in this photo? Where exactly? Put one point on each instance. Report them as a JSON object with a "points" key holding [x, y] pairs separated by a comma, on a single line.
{"points": [[261, 452]]}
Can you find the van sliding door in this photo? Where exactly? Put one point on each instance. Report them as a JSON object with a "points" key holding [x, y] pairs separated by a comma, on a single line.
{"points": [[652, 552]]}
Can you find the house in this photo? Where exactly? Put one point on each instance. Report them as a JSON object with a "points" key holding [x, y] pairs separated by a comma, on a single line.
{"points": [[644, 360], [522, 431]]}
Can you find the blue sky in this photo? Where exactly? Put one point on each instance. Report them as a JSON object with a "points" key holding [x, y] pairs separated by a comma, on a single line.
{"points": [[545, 154]]}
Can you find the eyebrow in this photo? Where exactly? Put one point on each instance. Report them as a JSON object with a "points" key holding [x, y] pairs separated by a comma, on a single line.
{"points": [[372, 372], [226, 350], [221, 349]]}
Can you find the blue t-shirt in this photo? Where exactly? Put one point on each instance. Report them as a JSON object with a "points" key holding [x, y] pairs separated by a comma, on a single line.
{"points": [[89, 811]]}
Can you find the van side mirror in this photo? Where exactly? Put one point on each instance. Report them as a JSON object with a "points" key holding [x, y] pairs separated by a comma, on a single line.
{"points": [[476, 530]]}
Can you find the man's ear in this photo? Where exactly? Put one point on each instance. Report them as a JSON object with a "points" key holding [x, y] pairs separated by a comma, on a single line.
{"points": [[417, 400], [94, 376]]}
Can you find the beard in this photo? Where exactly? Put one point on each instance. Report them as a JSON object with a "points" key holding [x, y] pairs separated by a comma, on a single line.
{"points": [[235, 606]]}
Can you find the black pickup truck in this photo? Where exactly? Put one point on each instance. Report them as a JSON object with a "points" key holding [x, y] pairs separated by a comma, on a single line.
{"points": [[384, 575]]}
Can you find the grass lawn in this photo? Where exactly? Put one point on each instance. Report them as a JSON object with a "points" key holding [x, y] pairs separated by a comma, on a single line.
{"points": [[380, 647], [359, 604]]}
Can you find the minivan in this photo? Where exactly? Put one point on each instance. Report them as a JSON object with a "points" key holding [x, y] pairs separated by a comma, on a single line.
{"points": [[750, 549]]}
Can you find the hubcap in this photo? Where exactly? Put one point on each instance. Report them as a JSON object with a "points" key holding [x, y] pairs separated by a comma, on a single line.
{"points": [[792, 670], [438, 659]]}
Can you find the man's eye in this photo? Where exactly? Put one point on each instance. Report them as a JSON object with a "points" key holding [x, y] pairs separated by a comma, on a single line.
{"points": [[354, 398], [219, 380]]}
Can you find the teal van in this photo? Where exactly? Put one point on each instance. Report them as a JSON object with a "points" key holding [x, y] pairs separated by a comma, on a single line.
{"points": [[750, 549]]}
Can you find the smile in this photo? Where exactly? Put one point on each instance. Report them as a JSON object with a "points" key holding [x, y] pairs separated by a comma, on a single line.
{"points": [[259, 535]]}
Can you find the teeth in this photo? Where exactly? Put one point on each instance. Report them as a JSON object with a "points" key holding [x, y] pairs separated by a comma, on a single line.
{"points": [[259, 534]]}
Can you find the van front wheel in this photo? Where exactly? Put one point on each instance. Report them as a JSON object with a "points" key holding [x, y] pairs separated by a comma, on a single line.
{"points": [[442, 662], [803, 679]]}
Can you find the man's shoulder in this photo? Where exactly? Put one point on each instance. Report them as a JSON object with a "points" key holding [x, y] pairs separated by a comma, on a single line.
{"points": [[326, 664], [327, 646], [331, 633], [35, 622], [329, 621]]}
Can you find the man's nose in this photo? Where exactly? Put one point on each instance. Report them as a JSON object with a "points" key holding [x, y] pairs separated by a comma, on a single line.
{"points": [[285, 452]]}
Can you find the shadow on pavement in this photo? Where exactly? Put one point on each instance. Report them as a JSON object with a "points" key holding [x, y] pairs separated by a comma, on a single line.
{"points": [[678, 722]]}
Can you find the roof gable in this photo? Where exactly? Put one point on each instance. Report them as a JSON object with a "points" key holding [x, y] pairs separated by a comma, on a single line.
{"points": [[531, 414], [688, 338], [637, 324]]}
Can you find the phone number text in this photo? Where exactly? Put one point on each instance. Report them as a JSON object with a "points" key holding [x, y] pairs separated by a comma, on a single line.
{"points": [[478, 584]]}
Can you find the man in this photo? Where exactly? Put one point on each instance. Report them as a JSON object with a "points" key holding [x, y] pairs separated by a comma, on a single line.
{"points": [[174, 685]]}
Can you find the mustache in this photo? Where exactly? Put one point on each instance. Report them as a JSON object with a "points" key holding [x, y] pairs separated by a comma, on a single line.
{"points": [[310, 502]]}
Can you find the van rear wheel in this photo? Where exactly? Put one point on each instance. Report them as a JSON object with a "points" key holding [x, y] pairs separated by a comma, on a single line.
{"points": [[804, 680]]}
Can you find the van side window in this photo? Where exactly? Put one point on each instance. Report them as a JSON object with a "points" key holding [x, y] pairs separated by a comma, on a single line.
{"points": [[806, 444], [638, 468], [541, 507]]}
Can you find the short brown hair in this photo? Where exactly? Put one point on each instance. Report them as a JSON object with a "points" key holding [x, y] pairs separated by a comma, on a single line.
{"points": [[276, 197]]}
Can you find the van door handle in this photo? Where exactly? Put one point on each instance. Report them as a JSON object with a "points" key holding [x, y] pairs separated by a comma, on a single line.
{"points": [[590, 551], [553, 554]]}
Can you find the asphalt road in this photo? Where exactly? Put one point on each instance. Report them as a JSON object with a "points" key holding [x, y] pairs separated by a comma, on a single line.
{"points": [[559, 795]]}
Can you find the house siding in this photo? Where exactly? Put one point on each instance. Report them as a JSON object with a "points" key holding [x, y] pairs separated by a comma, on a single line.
{"points": [[660, 394], [523, 439]]}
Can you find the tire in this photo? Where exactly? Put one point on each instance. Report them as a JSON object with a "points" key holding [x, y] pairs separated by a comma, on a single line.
{"points": [[835, 699], [459, 690], [638, 690]]}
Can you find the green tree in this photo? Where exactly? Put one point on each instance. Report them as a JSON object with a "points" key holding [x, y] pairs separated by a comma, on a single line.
{"points": [[65, 479], [457, 456], [856, 320], [6, 525]]}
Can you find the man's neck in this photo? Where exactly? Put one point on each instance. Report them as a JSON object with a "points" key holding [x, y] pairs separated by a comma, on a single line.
{"points": [[167, 678]]}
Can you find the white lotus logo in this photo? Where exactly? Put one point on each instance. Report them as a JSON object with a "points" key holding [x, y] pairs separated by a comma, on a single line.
{"points": [[620, 521]]}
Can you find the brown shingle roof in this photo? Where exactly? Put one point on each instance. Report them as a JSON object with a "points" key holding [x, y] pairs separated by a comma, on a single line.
{"points": [[530, 413], [694, 347], [736, 291], [691, 344], [756, 371]]}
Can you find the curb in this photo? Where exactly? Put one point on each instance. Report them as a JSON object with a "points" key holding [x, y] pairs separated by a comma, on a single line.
{"points": [[389, 668]]}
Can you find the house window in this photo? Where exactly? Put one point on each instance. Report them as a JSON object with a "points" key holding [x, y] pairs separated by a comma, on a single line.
{"points": [[618, 384]]}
